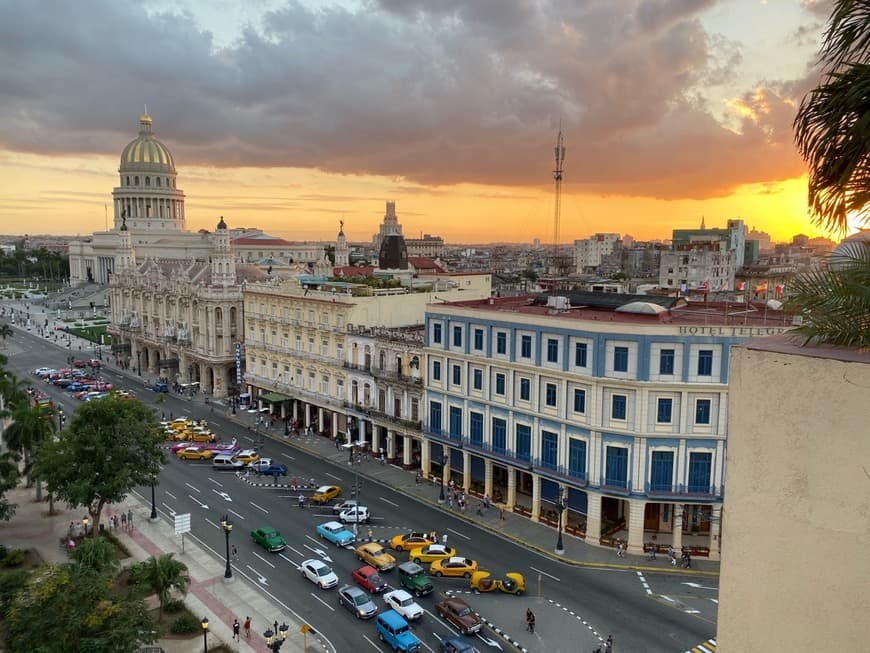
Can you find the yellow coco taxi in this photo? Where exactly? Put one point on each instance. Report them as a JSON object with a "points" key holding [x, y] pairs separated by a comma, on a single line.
{"points": [[453, 567], [325, 493], [247, 456], [374, 554], [431, 553]]}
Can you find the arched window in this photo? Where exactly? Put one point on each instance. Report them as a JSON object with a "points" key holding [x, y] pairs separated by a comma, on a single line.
{"points": [[136, 180], [147, 181]]}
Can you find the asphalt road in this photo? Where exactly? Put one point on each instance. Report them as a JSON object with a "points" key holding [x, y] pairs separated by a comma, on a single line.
{"points": [[573, 605]]}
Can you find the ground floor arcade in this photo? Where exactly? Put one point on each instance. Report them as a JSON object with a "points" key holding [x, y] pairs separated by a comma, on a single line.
{"points": [[596, 515]]}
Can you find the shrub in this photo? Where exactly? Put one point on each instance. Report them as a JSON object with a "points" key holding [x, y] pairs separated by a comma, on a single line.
{"points": [[14, 558], [173, 607], [185, 624]]}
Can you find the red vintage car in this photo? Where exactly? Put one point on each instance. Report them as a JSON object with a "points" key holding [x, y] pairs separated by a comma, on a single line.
{"points": [[369, 579]]}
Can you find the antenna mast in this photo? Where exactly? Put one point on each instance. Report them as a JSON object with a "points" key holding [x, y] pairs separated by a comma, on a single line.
{"points": [[557, 177]]}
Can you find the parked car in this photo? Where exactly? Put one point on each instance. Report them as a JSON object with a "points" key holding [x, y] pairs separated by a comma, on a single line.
{"points": [[355, 515], [341, 506], [194, 453], [268, 538], [335, 533], [319, 573], [413, 577], [357, 601], [404, 604], [247, 456], [369, 578], [460, 614], [257, 464], [160, 387], [325, 493], [374, 554], [431, 553], [275, 469], [455, 566]]}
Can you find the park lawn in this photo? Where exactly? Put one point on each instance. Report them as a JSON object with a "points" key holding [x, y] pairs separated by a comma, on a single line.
{"points": [[91, 333]]}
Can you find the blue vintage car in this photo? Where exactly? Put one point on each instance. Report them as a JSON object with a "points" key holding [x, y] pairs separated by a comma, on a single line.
{"points": [[335, 533]]}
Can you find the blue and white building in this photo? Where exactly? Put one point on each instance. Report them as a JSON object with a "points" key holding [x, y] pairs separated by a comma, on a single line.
{"points": [[615, 403]]}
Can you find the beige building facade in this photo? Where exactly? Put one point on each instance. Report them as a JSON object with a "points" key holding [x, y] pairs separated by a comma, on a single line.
{"points": [[795, 570]]}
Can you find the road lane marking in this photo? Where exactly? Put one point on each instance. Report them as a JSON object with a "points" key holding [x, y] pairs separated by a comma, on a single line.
{"points": [[195, 489], [337, 478], [258, 507], [459, 534], [295, 565], [374, 646], [643, 582], [264, 560], [223, 495], [395, 505], [287, 455], [169, 494], [296, 551], [215, 482], [544, 573], [322, 601], [201, 504], [236, 514], [260, 577], [209, 521], [169, 508]]}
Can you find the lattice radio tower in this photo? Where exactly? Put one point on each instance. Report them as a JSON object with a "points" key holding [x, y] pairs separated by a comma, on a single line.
{"points": [[557, 177]]}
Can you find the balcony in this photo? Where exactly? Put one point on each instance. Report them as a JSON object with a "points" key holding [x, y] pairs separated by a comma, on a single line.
{"points": [[558, 472], [356, 366], [498, 453], [410, 424], [395, 375], [439, 435], [684, 492]]}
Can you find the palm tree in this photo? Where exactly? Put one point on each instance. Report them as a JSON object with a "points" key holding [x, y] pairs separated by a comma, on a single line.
{"points": [[832, 132], [30, 427], [6, 331], [163, 574]]}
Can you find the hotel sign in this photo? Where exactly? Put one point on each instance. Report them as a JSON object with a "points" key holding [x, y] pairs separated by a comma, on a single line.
{"points": [[238, 363], [732, 331]]}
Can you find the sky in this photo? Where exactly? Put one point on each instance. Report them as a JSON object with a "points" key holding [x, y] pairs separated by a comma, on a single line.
{"points": [[290, 115]]}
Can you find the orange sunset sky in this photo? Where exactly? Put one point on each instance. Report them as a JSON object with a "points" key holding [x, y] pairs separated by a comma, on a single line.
{"points": [[290, 115]]}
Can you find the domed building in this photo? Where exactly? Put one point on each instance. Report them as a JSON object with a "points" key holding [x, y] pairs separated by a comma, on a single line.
{"points": [[175, 295]]}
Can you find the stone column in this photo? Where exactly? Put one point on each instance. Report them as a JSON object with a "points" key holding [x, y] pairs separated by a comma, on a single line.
{"points": [[219, 388], [376, 439], [295, 410], [511, 498], [319, 419], [593, 518], [677, 537], [426, 458], [307, 415], [715, 532], [407, 451], [360, 429], [536, 497], [487, 477], [635, 520], [445, 473], [391, 444], [226, 340], [466, 469], [334, 421]]}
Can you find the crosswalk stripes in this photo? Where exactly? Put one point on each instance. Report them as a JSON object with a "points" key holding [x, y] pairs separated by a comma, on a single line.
{"points": [[705, 647]]}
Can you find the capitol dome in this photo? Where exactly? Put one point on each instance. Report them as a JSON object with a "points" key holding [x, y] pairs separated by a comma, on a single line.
{"points": [[146, 153]]}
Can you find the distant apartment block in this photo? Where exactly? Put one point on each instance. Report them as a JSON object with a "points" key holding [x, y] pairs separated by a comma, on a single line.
{"points": [[589, 252], [704, 259]]}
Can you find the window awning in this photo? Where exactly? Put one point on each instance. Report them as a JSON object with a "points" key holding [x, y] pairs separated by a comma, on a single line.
{"points": [[273, 397]]}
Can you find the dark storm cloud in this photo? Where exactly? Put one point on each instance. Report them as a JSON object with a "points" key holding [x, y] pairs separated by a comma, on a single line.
{"points": [[435, 92]]}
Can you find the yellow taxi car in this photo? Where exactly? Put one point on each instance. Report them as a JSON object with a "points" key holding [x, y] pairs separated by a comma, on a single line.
{"points": [[199, 434], [431, 553], [325, 493], [194, 453], [410, 540], [455, 566], [374, 554], [180, 423], [247, 456]]}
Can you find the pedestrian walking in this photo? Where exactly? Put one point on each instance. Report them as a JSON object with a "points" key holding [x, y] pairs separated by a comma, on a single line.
{"points": [[124, 521], [608, 644], [444, 539], [130, 520], [652, 552], [301, 501], [530, 620], [236, 628], [620, 550], [235, 553], [248, 627]]}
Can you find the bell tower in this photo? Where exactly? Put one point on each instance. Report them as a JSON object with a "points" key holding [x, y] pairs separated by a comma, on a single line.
{"points": [[223, 265]]}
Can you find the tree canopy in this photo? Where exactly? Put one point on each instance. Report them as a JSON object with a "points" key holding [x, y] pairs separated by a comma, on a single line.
{"points": [[109, 446]]}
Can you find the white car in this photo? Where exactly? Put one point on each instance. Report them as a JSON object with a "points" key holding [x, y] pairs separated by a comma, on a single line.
{"points": [[357, 514], [344, 505], [404, 604], [319, 573], [262, 463]]}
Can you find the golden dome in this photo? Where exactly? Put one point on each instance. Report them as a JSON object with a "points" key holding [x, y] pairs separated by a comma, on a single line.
{"points": [[146, 153]]}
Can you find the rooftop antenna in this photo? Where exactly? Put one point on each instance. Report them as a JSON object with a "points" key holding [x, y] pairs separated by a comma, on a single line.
{"points": [[559, 151]]}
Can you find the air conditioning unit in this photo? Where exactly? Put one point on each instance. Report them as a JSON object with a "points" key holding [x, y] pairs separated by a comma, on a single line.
{"points": [[559, 302]]}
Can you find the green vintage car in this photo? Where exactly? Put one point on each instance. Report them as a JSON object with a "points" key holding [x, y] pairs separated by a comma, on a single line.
{"points": [[268, 538]]}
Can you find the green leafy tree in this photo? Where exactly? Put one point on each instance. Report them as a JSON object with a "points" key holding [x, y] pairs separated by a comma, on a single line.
{"points": [[6, 331], [832, 132], [30, 427], [161, 575], [96, 553], [72, 608], [110, 446]]}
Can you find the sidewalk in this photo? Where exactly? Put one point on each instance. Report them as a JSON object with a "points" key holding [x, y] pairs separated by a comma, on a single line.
{"points": [[208, 596]]}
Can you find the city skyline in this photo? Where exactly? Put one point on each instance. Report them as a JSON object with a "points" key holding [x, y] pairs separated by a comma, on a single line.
{"points": [[671, 114]]}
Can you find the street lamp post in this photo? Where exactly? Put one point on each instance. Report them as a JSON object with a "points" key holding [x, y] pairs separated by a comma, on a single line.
{"points": [[204, 624], [85, 523], [441, 497], [276, 636], [227, 525], [561, 504], [153, 502]]}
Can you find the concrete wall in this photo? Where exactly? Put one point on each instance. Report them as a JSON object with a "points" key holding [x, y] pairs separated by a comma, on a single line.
{"points": [[796, 522]]}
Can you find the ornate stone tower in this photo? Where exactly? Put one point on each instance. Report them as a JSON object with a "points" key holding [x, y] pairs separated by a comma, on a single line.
{"points": [[223, 265], [342, 252], [125, 261]]}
